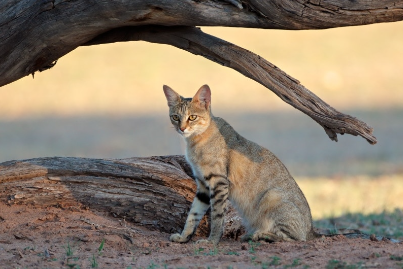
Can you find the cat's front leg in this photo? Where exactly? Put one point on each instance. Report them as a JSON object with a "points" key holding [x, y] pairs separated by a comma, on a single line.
{"points": [[200, 205], [219, 188]]}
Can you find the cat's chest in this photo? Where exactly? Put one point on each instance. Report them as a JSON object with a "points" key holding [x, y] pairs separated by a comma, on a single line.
{"points": [[196, 163], [206, 161]]}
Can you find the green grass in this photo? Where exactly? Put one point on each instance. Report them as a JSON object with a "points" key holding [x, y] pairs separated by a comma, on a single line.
{"points": [[388, 224], [206, 252], [95, 256], [396, 258], [336, 264], [152, 265], [212, 252], [69, 250], [93, 260], [295, 263], [72, 259], [275, 261], [101, 246], [198, 250], [252, 246]]}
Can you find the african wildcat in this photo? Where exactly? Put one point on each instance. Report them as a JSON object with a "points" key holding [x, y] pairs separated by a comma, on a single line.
{"points": [[228, 166]]}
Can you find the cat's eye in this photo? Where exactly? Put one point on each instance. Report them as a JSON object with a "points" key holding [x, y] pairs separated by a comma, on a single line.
{"points": [[192, 117], [175, 117]]}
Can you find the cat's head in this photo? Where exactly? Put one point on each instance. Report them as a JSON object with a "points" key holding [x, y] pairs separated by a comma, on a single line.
{"points": [[189, 116]]}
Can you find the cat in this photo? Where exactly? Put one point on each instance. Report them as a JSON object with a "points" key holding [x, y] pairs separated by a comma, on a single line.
{"points": [[226, 166]]}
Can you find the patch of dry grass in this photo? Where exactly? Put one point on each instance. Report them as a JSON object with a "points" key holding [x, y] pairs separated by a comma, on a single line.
{"points": [[372, 205], [347, 67], [385, 223], [365, 195]]}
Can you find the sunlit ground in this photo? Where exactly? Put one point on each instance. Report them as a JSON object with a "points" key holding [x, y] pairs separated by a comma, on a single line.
{"points": [[361, 194], [371, 204], [107, 101]]}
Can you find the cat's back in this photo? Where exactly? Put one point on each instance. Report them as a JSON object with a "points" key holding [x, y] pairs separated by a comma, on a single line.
{"points": [[236, 144], [248, 161], [223, 148]]}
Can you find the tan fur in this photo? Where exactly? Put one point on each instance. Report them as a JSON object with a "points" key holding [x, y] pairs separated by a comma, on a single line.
{"points": [[228, 166]]}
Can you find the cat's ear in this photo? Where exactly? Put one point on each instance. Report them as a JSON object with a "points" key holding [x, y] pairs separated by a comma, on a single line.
{"points": [[173, 97], [203, 96]]}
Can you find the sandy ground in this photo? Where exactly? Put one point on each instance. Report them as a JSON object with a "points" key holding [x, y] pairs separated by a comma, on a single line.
{"points": [[31, 237]]}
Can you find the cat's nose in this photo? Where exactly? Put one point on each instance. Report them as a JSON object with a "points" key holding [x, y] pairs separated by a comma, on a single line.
{"points": [[182, 128]]}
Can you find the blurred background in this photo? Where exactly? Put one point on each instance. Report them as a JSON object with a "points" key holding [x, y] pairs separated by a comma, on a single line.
{"points": [[107, 102]]}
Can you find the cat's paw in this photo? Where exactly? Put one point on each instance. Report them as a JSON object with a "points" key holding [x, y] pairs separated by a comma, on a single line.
{"points": [[178, 238], [208, 242], [266, 236], [203, 241]]}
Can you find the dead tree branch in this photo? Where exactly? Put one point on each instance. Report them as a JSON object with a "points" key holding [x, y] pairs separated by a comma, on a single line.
{"points": [[251, 65], [35, 34]]}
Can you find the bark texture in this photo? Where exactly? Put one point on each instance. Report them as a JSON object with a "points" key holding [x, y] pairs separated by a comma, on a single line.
{"points": [[154, 192], [35, 34]]}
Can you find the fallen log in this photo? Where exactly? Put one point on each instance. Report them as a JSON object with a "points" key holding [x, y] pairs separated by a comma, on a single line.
{"points": [[154, 192]]}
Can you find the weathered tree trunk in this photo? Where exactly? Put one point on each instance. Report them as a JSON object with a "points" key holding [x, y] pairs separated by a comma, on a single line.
{"points": [[154, 192], [35, 34]]}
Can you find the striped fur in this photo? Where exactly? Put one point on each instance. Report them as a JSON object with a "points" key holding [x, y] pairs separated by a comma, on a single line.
{"points": [[229, 167]]}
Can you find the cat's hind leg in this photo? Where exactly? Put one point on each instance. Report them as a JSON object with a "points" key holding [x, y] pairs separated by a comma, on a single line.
{"points": [[268, 237], [280, 219]]}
